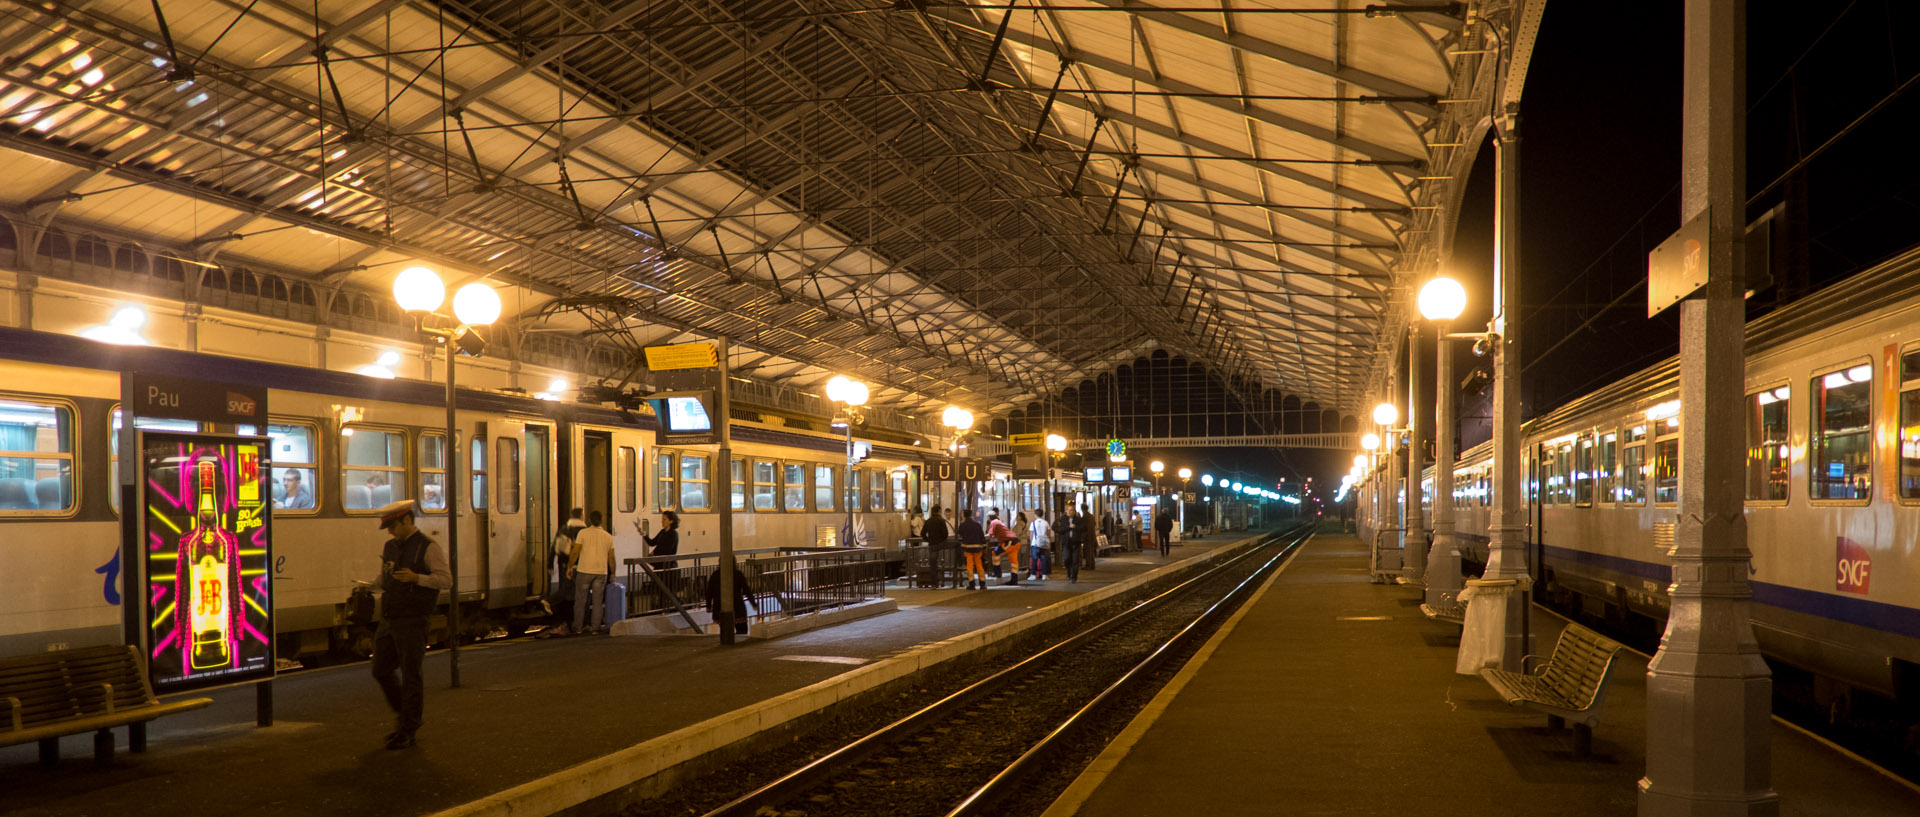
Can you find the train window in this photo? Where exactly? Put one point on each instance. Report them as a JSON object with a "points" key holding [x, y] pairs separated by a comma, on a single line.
{"points": [[850, 487], [793, 484], [113, 448], [1633, 467], [1583, 471], [36, 457], [1842, 418], [1767, 445], [899, 479], [433, 472], [295, 456], [478, 471], [1563, 473], [877, 490], [766, 485], [373, 467], [823, 485], [738, 486], [506, 451], [694, 479], [1603, 467], [663, 492], [1666, 461], [1910, 425], [626, 473]]}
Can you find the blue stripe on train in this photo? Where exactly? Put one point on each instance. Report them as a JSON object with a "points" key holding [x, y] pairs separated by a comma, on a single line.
{"points": [[1890, 618]]}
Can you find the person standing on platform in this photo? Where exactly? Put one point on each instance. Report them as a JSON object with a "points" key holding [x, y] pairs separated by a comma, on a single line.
{"points": [[413, 571], [936, 533], [1163, 531], [665, 543], [1040, 538], [973, 545], [591, 567], [1073, 531]]}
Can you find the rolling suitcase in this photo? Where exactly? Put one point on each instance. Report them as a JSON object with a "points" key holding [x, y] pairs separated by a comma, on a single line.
{"points": [[616, 600]]}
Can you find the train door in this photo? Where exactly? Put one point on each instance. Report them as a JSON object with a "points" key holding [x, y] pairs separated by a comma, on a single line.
{"points": [[605, 475], [508, 518], [538, 489]]}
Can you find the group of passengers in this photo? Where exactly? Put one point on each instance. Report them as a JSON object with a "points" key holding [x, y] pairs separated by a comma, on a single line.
{"points": [[996, 547]]}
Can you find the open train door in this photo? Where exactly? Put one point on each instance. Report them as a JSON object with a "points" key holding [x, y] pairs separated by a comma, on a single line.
{"points": [[606, 478], [515, 566]]}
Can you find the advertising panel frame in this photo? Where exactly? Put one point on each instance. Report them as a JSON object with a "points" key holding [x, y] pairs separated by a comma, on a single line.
{"points": [[233, 575]]}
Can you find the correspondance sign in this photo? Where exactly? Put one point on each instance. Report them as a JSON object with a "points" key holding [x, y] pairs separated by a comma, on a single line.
{"points": [[207, 539]]}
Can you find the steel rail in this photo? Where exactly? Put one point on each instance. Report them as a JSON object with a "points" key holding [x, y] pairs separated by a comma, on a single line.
{"points": [[827, 768], [1002, 784]]}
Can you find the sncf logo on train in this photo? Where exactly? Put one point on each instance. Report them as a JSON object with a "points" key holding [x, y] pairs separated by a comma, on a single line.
{"points": [[1856, 566]]}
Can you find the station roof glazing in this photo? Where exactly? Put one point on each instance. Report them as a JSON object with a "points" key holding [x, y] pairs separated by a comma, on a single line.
{"points": [[976, 203]]}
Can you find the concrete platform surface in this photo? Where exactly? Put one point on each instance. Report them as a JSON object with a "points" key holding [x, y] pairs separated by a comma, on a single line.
{"points": [[528, 711], [1330, 695]]}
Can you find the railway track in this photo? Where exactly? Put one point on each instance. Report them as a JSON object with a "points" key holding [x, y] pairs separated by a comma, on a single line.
{"points": [[1007, 744]]}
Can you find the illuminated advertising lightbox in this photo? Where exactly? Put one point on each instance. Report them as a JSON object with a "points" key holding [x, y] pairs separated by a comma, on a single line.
{"points": [[208, 541]]}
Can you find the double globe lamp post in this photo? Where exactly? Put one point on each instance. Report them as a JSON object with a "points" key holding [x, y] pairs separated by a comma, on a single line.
{"points": [[961, 421], [1441, 301], [419, 291], [851, 395]]}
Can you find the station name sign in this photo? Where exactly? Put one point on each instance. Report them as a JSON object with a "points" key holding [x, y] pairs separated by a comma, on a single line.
{"points": [[180, 398]]}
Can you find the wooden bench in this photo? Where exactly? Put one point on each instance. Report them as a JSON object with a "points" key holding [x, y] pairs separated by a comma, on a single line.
{"points": [[66, 692], [1570, 686]]}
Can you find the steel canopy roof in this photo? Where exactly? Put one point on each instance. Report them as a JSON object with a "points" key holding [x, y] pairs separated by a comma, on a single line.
{"points": [[970, 203]]}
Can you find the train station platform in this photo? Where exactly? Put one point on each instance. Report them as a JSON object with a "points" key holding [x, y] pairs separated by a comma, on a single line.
{"points": [[1329, 695], [537, 725]]}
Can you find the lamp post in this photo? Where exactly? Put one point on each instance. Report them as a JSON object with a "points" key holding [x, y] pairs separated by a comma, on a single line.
{"points": [[961, 421], [419, 291], [1206, 489], [851, 395], [1056, 448], [1157, 467], [1184, 474], [1371, 443], [1441, 300]]}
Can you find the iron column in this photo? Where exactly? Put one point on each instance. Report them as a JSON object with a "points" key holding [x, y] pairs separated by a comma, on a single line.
{"points": [[1709, 693]]}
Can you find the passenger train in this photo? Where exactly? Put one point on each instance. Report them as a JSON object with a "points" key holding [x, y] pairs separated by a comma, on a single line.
{"points": [[343, 444], [1832, 476]]}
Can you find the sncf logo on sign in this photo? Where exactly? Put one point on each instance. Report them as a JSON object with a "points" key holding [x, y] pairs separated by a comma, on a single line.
{"points": [[1855, 566], [241, 404]]}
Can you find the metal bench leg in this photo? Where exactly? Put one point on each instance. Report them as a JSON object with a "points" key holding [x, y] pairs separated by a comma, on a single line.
{"points": [[137, 737], [50, 752], [103, 747], [1555, 723], [1582, 740]]}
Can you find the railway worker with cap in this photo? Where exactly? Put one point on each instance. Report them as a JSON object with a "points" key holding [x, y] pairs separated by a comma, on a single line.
{"points": [[413, 571], [973, 544]]}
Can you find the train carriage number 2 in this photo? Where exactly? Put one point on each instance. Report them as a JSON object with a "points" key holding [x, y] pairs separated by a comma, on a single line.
{"points": [[1855, 566]]}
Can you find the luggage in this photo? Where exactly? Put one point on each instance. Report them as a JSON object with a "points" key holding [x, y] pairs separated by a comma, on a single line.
{"points": [[616, 598]]}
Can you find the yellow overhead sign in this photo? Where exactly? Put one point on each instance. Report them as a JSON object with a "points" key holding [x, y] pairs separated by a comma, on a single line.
{"points": [[682, 356], [1018, 440]]}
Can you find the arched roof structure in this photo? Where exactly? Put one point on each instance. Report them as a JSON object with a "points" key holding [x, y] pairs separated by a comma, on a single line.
{"points": [[970, 202]]}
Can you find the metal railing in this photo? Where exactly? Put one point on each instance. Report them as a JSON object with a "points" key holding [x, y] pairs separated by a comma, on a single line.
{"points": [[781, 582]]}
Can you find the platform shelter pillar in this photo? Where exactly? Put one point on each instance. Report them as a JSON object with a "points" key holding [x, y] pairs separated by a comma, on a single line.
{"points": [[1506, 571], [1443, 573], [1709, 693], [1415, 539]]}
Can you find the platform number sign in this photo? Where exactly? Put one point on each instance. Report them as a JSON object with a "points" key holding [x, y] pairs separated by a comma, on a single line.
{"points": [[1122, 492]]}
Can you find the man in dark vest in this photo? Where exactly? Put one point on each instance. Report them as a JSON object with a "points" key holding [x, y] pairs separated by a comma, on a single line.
{"points": [[413, 571]]}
